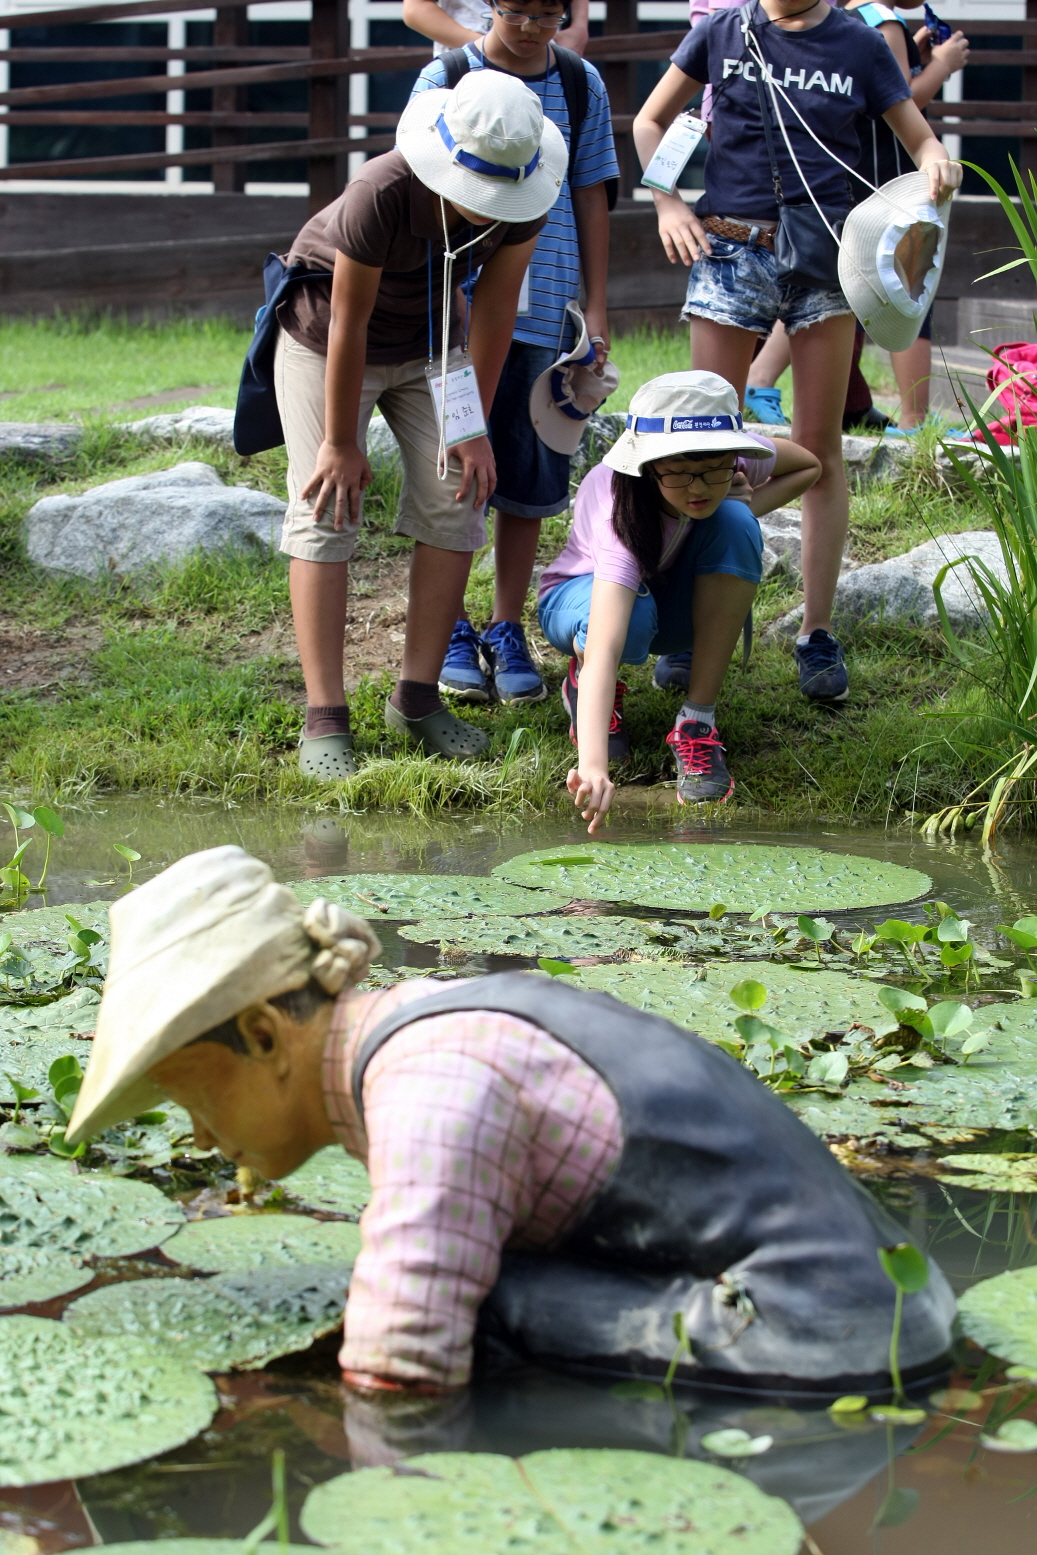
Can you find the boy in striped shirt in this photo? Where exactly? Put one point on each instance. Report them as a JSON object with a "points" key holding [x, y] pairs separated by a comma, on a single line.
{"points": [[532, 479]]}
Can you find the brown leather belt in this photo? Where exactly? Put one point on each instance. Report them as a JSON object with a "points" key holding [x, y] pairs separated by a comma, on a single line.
{"points": [[739, 232]]}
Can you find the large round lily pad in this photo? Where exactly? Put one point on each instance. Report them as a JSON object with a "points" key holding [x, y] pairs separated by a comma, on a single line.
{"points": [[691, 877], [563, 937], [800, 1003], [28, 1275], [201, 1547], [231, 1320], [330, 1180], [562, 1502], [45, 1205], [236, 1242], [1001, 1315], [423, 896], [70, 1406], [33, 1036]]}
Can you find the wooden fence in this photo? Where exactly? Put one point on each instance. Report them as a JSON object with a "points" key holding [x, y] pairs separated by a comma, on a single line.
{"points": [[229, 66]]}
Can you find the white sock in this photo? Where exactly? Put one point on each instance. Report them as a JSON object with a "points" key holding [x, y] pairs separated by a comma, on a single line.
{"points": [[696, 713]]}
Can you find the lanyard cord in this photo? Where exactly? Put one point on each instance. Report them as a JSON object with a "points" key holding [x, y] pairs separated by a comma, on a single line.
{"points": [[449, 255]]}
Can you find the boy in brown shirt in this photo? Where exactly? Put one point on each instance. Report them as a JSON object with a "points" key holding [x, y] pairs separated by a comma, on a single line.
{"points": [[476, 169]]}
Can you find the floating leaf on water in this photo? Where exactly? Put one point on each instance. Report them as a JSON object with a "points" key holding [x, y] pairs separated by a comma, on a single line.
{"points": [[745, 876], [231, 1320], [892, 1414], [1011, 1172], [27, 1275], [41, 934], [956, 1401], [71, 1407], [426, 896], [554, 1503], [197, 1547], [503, 936], [733, 1443], [1013, 1436], [849, 1404], [898, 1506], [635, 1387], [32, 1037], [44, 1205], [330, 1180], [231, 1243], [1001, 1315]]}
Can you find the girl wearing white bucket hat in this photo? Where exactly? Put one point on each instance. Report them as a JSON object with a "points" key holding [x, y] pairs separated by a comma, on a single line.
{"points": [[664, 556], [374, 307], [547, 1164]]}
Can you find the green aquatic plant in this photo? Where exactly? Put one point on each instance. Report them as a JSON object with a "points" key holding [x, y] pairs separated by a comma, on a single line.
{"points": [[46, 1205], [561, 937], [563, 1502], [130, 856], [908, 1269], [1001, 1315], [330, 1180], [27, 1275], [422, 896], [235, 1243], [555, 968], [1012, 1171]]}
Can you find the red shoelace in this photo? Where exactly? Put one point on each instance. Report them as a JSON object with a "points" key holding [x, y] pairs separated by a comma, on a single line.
{"points": [[695, 752], [615, 722]]}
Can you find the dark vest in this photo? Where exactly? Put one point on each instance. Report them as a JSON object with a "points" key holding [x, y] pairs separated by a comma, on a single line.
{"points": [[723, 1205]]}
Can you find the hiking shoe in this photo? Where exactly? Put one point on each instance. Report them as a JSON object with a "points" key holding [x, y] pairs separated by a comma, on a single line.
{"points": [[672, 671], [702, 775], [507, 658], [871, 420], [765, 405], [822, 668], [619, 740], [462, 672]]}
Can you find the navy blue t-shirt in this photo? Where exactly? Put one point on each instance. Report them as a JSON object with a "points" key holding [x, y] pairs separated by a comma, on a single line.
{"points": [[832, 72]]}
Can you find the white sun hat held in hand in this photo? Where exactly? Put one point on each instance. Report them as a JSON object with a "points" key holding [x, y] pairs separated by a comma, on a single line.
{"points": [[682, 413], [193, 947], [570, 390], [891, 258], [485, 146]]}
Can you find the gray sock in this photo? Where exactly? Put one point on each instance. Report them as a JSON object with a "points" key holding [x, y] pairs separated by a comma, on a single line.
{"points": [[696, 713]]}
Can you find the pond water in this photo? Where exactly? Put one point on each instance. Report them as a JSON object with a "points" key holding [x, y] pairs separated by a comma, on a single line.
{"points": [[969, 1501]]}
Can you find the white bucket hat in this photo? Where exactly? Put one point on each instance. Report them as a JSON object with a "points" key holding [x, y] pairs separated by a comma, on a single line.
{"points": [[570, 390], [891, 259], [682, 413], [198, 944], [485, 146]]}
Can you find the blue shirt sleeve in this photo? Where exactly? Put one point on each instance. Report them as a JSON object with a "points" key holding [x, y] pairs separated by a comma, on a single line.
{"points": [[596, 152], [883, 80], [692, 54], [431, 77]]}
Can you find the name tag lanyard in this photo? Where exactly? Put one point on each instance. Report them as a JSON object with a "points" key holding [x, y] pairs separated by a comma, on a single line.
{"points": [[455, 395]]}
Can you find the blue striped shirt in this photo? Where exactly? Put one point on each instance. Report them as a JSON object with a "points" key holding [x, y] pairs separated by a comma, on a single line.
{"points": [[554, 272]]}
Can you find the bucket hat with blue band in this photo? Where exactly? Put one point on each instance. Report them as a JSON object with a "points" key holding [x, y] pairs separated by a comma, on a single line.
{"points": [[485, 146], [567, 393], [682, 413]]}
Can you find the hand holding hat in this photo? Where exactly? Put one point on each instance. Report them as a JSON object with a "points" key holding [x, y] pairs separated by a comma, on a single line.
{"points": [[569, 391]]}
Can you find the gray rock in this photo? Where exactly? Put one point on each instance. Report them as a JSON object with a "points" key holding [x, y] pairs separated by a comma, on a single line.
{"points": [[901, 588], [47, 441], [142, 519], [382, 447], [207, 422]]}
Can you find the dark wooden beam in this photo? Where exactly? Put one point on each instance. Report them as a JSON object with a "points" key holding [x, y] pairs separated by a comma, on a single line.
{"points": [[194, 121], [252, 53], [329, 99], [273, 151]]}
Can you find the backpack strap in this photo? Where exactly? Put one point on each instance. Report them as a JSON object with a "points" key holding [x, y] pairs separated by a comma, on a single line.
{"points": [[573, 71], [455, 63]]}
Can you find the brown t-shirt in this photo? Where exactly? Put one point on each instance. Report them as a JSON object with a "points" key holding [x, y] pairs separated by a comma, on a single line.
{"points": [[386, 218]]}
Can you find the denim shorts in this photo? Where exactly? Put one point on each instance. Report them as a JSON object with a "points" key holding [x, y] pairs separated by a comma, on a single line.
{"points": [[660, 622], [739, 285], [532, 480]]}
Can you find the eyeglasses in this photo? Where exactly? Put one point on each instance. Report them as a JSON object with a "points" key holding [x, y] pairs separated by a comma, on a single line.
{"points": [[674, 480], [547, 23]]}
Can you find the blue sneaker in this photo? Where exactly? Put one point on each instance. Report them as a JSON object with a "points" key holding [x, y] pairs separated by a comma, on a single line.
{"points": [[672, 671], [462, 672], [822, 670], [765, 405], [507, 658]]}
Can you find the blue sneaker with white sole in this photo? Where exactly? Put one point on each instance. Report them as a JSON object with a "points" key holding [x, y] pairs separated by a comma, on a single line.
{"points": [[672, 671], [508, 660], [822, 668], [462, 673], [765, 405]]}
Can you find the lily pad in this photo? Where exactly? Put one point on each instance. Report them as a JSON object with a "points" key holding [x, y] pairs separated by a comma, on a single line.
{"points": [[561, 1502], [1001, 1315], [232, 1243], [800, 1004], [564, 937], [419, 896], [71, 1407], [45, 1205], [201, 1547], [231, 1320], [1010, 1172], [330, 1180], [41, 934], [690, 877], [32, 1037], [27, 1275]]}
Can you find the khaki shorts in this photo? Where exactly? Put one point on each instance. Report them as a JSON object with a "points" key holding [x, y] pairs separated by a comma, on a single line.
{"points": [[427, 511]]}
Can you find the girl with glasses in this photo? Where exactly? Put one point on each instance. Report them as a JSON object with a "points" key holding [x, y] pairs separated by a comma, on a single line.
{"points": [[664, 556]]}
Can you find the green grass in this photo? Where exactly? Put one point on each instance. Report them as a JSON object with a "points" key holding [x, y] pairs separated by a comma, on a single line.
{"points": [[174, 701]]}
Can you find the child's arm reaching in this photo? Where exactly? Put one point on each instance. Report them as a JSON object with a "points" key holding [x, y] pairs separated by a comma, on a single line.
{"points": [[795, 471], [589, 782]]}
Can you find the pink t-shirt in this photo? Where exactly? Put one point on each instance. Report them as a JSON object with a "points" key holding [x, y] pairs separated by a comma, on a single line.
{"points": [[593, 545]]}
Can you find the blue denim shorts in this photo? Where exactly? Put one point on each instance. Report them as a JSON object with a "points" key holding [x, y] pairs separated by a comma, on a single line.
{"points": [[532, 480], [738, 285], [660, 622]]}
